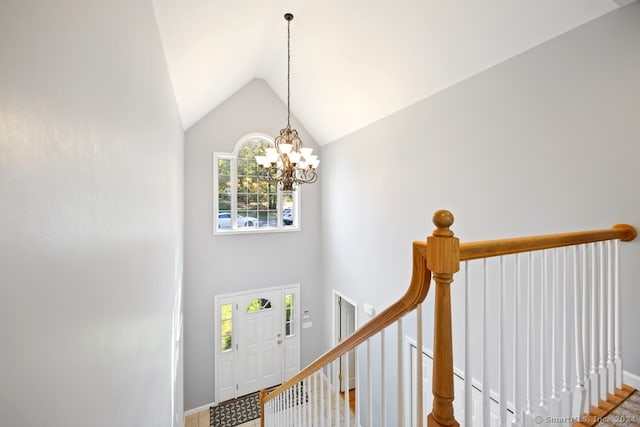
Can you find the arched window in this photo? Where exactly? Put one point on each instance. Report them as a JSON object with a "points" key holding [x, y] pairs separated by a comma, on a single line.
{"points": [[243, 200]]}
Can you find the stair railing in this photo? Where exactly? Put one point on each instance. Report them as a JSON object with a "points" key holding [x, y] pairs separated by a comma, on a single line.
{"points": [[558, 290]]}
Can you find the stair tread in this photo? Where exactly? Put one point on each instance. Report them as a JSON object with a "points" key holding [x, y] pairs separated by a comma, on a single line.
{"points": [[605, 407]]}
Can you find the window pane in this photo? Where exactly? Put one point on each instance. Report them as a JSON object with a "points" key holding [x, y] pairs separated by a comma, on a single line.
{"points": [[272, 217], [242, 167], [224, 203], [243, 202], [226, 312], [255, 201], [289, 307], [226, 343], [226, 327], [258, 305], [224, 192]]}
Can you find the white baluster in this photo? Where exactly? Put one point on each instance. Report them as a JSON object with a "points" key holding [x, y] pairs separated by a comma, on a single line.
{"points": [[517, 348], [611, 387], [502, 350], [278, 409], [301, 403], [602, 368], [292, 408], [336, 389], [307, 399], [358, 385], [419, 369], [266, 413], [618, 340], [280, 417], [383, 399], [369, 385], [347, 409], [586, 326], [530, 344], [323, 414], [285, 409], [468, 402], [554, 403], [544, 309], [566, 395], [595, 336], [400, 392], [486, 389], [578, 308], [314, 399], [330, 367]]}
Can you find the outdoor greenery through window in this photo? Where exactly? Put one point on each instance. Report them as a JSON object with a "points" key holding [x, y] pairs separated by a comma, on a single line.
{"points": [[245, 201], [259, 305], [226, 326], [289, 322]]}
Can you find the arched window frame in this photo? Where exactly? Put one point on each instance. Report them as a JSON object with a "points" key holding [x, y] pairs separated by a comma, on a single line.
{"points": [[233, 227]]}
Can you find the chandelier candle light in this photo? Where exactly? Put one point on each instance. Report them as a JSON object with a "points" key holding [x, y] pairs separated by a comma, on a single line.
{"points": [[288, 163]]}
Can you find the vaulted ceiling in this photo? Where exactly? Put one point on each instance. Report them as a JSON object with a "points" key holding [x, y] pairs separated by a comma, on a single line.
{"points": [[353, 61]]}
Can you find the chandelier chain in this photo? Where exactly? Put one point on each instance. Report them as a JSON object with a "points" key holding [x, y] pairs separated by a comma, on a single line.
{"points": [[288, 73]]}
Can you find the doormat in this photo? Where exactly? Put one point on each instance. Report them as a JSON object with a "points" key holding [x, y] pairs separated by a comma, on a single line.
{"points": [[246, 408]]}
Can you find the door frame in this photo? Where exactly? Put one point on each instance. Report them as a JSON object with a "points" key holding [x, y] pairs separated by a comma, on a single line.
{"points": [[336, 332], [293, 289]]}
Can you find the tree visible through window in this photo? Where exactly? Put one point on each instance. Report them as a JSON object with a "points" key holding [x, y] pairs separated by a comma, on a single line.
{"points": [[289, 319], [258, 305], [243, 199], [226, 327]]}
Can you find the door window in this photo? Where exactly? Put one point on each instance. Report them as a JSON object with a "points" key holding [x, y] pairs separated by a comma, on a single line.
{"points": [[226, 327], [259, 304]]}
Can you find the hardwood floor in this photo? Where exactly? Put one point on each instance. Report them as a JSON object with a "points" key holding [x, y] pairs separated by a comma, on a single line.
{"points": [[352, 399]]}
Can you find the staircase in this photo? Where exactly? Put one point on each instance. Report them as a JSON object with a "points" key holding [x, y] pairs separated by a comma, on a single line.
{"points": [[540, 339], [606, 408]]}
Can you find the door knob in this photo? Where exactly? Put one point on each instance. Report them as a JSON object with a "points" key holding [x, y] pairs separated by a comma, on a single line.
{"points": [[279, 341]]}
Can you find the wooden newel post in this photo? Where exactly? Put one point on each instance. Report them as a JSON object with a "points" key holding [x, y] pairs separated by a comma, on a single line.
{"points": [[443, 259]]}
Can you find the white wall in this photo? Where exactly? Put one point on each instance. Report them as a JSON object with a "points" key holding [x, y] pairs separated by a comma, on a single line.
{"points": [[233, 263], [90, 217], [545, 142]]}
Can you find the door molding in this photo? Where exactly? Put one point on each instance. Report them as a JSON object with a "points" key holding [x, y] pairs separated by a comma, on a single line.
{"points": [[336, 333], [226, 364]]}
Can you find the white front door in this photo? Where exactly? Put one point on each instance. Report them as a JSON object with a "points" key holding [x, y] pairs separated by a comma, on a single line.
{"points": [[259, 341]]}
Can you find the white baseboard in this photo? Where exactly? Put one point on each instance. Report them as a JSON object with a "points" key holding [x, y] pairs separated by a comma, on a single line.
{"points": [[631, 379], [199, 409]]}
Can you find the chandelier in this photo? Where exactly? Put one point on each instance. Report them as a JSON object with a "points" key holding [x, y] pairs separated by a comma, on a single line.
{"points": [[289, 163]]}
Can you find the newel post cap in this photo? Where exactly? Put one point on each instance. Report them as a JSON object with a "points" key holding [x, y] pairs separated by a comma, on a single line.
{"points": [[443, 249], [443, 219]]}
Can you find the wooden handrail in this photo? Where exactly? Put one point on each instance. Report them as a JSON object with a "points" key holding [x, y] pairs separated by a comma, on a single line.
{"points": [[440, 256], [417, 292], [498, 247]]}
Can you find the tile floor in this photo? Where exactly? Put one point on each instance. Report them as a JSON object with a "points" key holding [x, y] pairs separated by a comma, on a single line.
{"points": [[201, 419]]}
